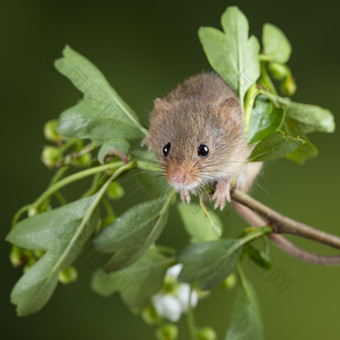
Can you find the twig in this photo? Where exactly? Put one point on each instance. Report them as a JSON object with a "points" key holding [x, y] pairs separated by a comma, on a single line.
{"points": [[248, 205]]}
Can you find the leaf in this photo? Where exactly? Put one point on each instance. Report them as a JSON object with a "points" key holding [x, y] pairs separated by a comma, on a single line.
{"points": [[137, 283], [311, 117], [119, 147], [264, 120], [260, 257], [145, 160], [246, 323], [62, 233], [102, 114], [133, 232], [200, 227], [233, 55], [211, 262], [304, 152], [275, 44], [275, 146]]}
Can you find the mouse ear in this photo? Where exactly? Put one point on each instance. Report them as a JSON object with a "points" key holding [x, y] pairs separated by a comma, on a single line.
{"points": [[231, 107], [161, 105]]}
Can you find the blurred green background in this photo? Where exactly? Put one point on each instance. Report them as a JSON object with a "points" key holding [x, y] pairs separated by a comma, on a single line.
{"points": [[145, 48]]}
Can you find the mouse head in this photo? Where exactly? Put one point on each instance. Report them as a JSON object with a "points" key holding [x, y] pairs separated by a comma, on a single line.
{"points": [[197, 144]]}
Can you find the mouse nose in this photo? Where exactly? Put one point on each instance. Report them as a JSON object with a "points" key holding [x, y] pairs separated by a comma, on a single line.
{"points": [[178, 178]]}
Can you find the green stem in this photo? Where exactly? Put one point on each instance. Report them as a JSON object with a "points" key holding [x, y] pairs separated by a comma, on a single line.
{"points": [[60, 173], [60, 198], [243, 281], [191, 318], [252, 93], [68, 144], [166, 249], [266, 78], [108, 208], [75, 177], [94, 186], [271, 97]]}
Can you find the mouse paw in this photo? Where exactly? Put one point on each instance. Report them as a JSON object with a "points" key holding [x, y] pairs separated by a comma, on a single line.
{"points": [[185, 196], [221, 194]]}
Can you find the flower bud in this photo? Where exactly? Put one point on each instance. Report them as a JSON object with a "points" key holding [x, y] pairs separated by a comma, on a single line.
{"points": [[288, 87], [115, 191], [167, 332], [68, 275], [150, 315], [51, 156], [229, 282], [16, 257], [50, 130], [206, 333], [83, 160], [278, 71]]}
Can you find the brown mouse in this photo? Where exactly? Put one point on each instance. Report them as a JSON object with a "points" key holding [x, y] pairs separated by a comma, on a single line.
{"points": [[197, 133]]}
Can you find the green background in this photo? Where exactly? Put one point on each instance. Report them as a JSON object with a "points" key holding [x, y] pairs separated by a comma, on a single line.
{"points": [[145, 48]]}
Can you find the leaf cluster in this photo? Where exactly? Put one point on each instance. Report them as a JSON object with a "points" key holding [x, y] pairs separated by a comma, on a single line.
{"points": [[100, 137]]}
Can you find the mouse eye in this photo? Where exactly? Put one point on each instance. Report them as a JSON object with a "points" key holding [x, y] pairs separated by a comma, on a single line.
{"points": [[203, 150], [166, 149]]}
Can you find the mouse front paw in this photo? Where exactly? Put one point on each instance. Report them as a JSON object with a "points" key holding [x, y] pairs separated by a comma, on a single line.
{"points": [[221, 194], [185, 196]]}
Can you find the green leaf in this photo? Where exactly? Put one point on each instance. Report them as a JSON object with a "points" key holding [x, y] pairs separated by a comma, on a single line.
{"points": [[275, 146], [275, 44], [62, 233], [265, 120], [211, 262], [137, 283], [246, 323], [260, 257], [233, 55], [311, 118], [146, 160], [102, 114], [119, 147], [304, 152], [199, 226], [133, 232]]}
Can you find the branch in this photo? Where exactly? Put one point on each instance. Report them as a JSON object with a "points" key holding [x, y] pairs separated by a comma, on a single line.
{"points": [[245, 205]]}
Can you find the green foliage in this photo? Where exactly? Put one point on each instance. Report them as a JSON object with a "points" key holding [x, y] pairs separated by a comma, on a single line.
{"points": [[101, 114], [211, 262], [232, 54], [87, 138], [246, 320], [137, 283], [275, 44], [274, 146], [62, 233], [265, 120], [132, 233], [200, 226]]}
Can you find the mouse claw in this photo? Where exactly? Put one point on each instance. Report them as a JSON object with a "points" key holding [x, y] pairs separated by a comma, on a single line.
{"points": [[185, 196], [221, 194]]}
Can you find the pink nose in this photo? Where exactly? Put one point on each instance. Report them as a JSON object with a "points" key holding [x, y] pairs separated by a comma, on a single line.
{"points": [[178, 178]]}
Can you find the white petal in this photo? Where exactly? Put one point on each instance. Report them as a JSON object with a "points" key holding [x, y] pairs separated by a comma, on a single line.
{"points": [[167, 306], [183, 297], [174, 271]]}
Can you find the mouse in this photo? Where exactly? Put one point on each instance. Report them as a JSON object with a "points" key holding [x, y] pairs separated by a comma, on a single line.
{"points": [[197, 133]]}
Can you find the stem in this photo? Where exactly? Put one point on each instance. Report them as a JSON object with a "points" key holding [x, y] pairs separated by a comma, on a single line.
{"points": [[75, 177], [249, 104], [58, 185], [266, 78], [191, 318], [283, 224]]}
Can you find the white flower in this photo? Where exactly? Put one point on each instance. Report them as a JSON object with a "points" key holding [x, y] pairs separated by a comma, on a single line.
{"points": [[167, 306], [171, 305]]}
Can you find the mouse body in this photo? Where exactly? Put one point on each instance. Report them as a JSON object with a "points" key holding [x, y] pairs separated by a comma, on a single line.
{"points": [[197, 133]]}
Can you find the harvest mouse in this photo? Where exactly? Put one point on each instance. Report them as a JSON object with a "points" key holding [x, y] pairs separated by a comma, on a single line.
{"points": [[197, 133]]}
